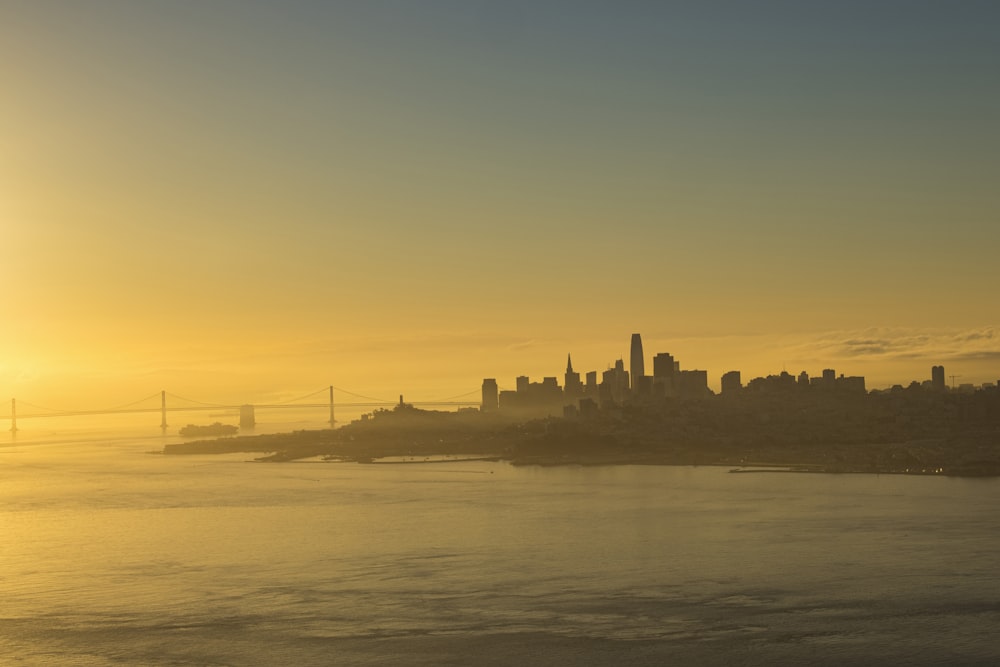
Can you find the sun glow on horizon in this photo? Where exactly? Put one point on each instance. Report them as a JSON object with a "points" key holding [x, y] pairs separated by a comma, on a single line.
{"points": [[412, 200]]}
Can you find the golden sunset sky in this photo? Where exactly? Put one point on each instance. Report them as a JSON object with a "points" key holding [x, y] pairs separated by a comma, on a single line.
{"points": [[244, 201]]}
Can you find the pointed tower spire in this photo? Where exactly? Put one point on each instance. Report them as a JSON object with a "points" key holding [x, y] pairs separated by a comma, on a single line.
{"points": [[573, 388]]}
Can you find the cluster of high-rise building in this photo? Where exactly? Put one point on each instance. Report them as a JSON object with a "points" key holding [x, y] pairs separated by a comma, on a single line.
{"points": [[614, 387], [828, 380], [617, 386]]}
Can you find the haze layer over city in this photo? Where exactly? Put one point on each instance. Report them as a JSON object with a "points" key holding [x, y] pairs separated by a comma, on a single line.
{"points": [[248, 201]]}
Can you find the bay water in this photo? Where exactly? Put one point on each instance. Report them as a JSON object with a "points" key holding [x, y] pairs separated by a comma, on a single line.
{"points": [[114, 554]]}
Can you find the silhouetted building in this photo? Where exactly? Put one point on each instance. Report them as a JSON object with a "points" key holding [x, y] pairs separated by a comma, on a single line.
{"points": [[491, 395], [693, 384], [937, 378], [622, 383], [539, 398], [509, 400], [731, 383], [572, 385], [783, 383], [663, 365], [665, 375], [636, 364], [605, 391], [614, 384], [855, 384], [828, 380]]}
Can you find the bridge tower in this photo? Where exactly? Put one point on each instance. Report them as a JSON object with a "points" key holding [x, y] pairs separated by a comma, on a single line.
{"points": [[13, 415], [163, 410], [332, 420]]}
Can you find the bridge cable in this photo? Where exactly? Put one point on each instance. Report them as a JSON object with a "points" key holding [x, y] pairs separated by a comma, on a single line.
{"points": [[452, 398], [129, 405], [40, 407], [370, 398], [319, 391], [191, 400], [114, 409]]}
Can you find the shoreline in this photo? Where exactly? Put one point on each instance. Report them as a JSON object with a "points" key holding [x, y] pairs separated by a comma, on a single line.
{"points": [[276, 456], [406, 436]]}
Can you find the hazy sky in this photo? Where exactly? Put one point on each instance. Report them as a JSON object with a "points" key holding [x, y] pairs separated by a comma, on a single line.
{"points": [[242, 200]]}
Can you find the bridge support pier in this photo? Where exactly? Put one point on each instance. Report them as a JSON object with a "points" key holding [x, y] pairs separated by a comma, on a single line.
{"points": [[163, 410], [13, 415], [247, 419]]}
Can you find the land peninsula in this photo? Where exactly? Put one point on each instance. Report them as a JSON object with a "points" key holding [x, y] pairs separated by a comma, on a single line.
{"points": [[908, 432]]}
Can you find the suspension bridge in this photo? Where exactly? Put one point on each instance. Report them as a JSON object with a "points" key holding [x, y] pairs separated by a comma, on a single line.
{"points": [[247, 411]]}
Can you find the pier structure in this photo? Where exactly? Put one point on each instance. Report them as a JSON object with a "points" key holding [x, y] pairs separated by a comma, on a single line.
{"points": [[248, 418]]}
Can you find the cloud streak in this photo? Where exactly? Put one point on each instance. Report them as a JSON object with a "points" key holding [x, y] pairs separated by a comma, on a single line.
{"points": [[901, 344]]}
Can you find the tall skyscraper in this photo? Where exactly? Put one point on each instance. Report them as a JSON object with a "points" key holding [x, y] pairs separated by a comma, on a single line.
{"points": [[636, 365], [614, 383], [491, 397], [731, 383], [663, 365], [937, 378]]}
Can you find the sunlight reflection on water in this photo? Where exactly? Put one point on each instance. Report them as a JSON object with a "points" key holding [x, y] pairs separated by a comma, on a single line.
{"points": [[114, 554]]}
